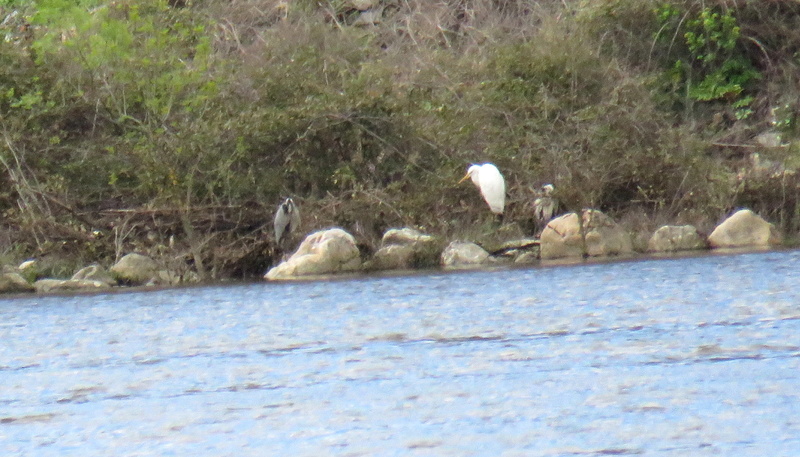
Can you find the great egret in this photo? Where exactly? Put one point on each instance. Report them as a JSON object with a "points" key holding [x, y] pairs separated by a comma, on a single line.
{"points": [[287, 219], [491, 183], [544, 207]]}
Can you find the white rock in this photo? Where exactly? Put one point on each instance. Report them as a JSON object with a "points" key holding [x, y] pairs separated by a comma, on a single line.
{"points": [[321, 253], [744, 229], [28, 264]]}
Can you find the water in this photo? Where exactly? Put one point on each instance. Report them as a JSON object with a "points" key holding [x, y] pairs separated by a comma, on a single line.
{"points": [[697, 356]]}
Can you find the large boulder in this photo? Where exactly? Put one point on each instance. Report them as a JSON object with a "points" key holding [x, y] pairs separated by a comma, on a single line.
{"points": [[671, 238], [562, 236], [13, 282], [404, 248], [744, 229], [135, 269], [321, 253], [464, 254]]}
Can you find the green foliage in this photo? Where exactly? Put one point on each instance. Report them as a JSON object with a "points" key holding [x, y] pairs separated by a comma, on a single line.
{"points": [[712, 66], [139, 60], [134, 73]]}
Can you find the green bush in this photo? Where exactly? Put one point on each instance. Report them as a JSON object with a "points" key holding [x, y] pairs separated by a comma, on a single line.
{"points": [[712, 64]]}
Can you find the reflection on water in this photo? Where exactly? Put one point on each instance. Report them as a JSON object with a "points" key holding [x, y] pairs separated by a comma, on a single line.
{"points": [[694, 356]]}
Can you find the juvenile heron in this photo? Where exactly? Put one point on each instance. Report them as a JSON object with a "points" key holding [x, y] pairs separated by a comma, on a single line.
{"points": [[491, 184], [287, 219], [544, 207]]}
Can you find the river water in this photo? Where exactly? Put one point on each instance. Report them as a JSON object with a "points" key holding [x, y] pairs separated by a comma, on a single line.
{"points": [[682, 357]]}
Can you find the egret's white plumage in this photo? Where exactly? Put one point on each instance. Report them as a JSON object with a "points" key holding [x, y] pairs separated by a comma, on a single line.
{"points": [[491, 184], [544, 207], [287, 219]]}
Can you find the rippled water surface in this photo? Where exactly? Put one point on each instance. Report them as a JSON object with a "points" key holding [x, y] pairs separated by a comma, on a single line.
{"points": [[687, 357]]}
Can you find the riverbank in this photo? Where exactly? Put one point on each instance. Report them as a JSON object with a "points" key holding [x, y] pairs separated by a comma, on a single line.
{"points": [[117, 138], [419, 272], [332, 253]]}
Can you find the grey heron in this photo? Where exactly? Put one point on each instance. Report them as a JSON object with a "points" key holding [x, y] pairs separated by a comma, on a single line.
{"points": [[287, 220], [544, 207]]}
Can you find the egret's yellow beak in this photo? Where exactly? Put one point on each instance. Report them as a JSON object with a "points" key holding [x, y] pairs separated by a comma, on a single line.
{"points": [[466, 176]]}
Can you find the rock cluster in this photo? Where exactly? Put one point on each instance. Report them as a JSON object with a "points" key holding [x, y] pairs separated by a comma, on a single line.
{"points": [[563, 236], [335, 251], [131, 270]]}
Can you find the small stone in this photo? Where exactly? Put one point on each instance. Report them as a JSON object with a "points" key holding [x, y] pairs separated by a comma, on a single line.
{"points": [[28, 264], [404, 235]]}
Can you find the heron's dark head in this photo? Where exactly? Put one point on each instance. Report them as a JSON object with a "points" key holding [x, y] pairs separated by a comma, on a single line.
{"points": [[288, 206]]}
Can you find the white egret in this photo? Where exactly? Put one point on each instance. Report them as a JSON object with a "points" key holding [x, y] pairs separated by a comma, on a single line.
{"points": [[544, 207], [491, 184], [287, 219]]}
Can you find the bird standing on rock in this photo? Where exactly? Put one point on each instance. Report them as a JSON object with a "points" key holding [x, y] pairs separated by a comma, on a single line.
{"points": [[544, 207], [287, 220], [491, 184]]}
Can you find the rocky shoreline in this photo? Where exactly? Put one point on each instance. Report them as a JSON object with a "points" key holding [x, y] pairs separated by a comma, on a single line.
{"points": [[335, 252]]}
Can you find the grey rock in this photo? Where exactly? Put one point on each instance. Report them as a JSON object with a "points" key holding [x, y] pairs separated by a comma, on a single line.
{"points": [[527, 257], [53, 285], [403, 249], [672, 238], [463, 254], [164, 278], [135, 269], [95, 272], [11, 282]]}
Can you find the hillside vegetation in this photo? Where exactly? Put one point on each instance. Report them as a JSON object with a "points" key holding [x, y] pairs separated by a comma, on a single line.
{"points": [[177, 127]]}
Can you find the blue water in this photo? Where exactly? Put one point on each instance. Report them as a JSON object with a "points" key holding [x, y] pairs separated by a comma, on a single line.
{"points": [[684, 357]]}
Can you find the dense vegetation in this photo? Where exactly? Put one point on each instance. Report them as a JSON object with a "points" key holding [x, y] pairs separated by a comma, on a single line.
{"points": [[177, 127]]}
